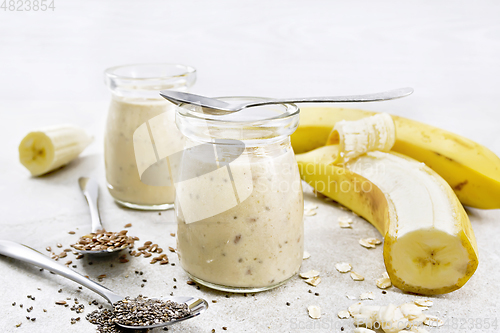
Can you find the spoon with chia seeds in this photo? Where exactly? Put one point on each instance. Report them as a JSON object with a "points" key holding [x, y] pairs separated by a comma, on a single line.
{"points": [[99, 242], [153, 312]]}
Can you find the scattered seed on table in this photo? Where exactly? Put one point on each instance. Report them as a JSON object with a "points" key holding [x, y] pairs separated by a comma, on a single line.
{"points": [[214, 301], [28, 318], [33, 319], [20, 305], [59, 245], [44, 310], [62, 255], [288, 303], [316, 294], [128, 225], [102, 276], [224, 328], [14, 304], [142, 285], [191, 283], [171, 249], [18, 325], [61, 302], [172, 234], [71, 232], [59, 291], [48, 248], [68, 250], [80, 256]]}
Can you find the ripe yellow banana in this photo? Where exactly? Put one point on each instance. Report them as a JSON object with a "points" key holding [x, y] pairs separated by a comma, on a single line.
{"points": [[429, 245], [50, 148], [472, 170]]}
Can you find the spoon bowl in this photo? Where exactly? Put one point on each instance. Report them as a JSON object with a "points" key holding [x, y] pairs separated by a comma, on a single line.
{"points": [[31, 256], [215, 106]]}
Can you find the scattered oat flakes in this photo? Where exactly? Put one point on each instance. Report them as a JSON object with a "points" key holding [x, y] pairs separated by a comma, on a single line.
{"points": [[345, 219], [365, 296], [433, 321], [343, 314], [306, 255], [314, 311], [314, 281], [364, 243], [343, 267], [309, 274], [309, 212], [384, 282], [355, 308], [345, 225], [423, 302], [374, 241], [310, 206], [357, 277]]}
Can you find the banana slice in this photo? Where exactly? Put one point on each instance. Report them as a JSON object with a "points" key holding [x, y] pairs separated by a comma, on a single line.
{"points": [[50, 148], [367, 134]]}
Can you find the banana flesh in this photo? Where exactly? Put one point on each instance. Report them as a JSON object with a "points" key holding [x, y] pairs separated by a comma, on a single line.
{"points": [[367, 134], [472, 170], [50, 148], [429, 245]]}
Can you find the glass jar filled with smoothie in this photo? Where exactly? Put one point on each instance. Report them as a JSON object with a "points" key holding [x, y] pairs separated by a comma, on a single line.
{"points": [[136, 170], [239, 204]]}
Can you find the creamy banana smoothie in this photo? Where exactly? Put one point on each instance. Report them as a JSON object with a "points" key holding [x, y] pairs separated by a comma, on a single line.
{"points": [[122, 171], [240, 226], [136, 170]]}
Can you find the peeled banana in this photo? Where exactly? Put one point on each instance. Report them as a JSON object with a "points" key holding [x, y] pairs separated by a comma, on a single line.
{"points": [[367, 134], [429, 245], [50, 148], [472, 170]]}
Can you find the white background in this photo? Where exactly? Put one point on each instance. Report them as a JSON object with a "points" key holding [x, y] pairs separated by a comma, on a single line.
{"points": [[51, 66]]}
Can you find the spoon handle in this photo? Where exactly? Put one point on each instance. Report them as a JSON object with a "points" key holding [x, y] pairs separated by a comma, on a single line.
{"points": [[90, 190], [31, 256], [382, 96]]}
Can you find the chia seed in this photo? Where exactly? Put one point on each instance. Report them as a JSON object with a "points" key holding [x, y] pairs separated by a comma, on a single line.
{"points": [[140, 311]]}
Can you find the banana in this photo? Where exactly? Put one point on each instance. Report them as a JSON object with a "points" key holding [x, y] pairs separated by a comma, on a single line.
{"points": [[429, 244], [50, 148], [367, 134], [472, 170]]}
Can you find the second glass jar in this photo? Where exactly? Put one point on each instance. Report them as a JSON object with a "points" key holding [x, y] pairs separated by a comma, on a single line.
{"points": [[136, 171], [239, 203]]}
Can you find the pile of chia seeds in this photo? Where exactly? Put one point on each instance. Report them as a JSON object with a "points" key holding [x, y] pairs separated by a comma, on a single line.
{"points": [[140, 311]]}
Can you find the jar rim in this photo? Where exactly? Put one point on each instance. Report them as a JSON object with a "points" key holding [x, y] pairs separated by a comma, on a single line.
{"points": [[186, 70], [292, 111]]}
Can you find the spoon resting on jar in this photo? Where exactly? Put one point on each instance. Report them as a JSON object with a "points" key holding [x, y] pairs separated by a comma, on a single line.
{"points": [[218, 107]]}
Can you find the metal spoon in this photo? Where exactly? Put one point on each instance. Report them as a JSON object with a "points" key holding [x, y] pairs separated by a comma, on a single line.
{"points": [[90, 190], [31, 256], [216, 106]]}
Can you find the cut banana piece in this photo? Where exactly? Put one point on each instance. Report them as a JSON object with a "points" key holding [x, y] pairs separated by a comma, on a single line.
{"points": [[50, 148], [429, 245], [367, 134]]}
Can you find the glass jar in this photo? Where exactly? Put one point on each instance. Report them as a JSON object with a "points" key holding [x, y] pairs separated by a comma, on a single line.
{"points": [[239, 204], [132, 152]]}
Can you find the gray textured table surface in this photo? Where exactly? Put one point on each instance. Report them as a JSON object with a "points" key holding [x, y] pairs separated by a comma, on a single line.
{"points": [[51, 67]]}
